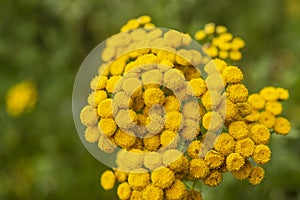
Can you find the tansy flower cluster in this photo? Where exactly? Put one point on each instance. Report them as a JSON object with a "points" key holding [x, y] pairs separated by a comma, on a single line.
{"points": [[219, 43], [20, 98], [170, 123]]}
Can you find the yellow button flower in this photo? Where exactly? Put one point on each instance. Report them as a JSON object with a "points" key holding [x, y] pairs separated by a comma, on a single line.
{"points": [[198, 85], [257, 175], [238, 130], [91, 134], [256, 101], [261, 154], [283, 94], [171, 103], [200, 35], [107, 126], [173, 38], [232, 74], [152, 193], [138, 179], [153, 96], [198, 168], [260, 134], [267, 118], [194, 149], [176, 192], [234, 162], [235, 55], [105, 108], [111, 83], [237, 43], [212, 121], [136, 195], [269, 93], [213, 159], [244, 172], [274, 107], [152, 143], [88, 116], [225, 144], [221, 29], [96, 97], [162, 177], [173, 120], [175, 160], [237, 93], [98, 82], [107, 180], [209, 28], [121, 176], [153, 160], [130, 85], [211, 99], [123, 139], [282, 126], [168, 139], [245, 147], [214, 178], [124, 191]]}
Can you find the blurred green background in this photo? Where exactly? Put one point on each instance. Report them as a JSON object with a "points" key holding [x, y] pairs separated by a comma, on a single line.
{"points": [[41, 155]]}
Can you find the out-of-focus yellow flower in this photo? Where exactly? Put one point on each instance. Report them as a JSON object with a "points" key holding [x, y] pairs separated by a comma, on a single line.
{"points": [[282, 93], [269, 93], [200, 35], [108, 180], [209, 28], [121, 176], [282, 126], [274, 107], [20, 98], [259, 133], [124, 191], [257, 175], [267, 118], [256, 101]]}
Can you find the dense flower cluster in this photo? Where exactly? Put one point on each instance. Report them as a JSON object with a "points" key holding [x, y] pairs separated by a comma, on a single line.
{"points": [[149, 103], [20, 98], [218, 42]]}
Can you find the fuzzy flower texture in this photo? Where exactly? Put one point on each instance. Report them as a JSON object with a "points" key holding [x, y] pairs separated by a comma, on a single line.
{"points": [[130, 92]]}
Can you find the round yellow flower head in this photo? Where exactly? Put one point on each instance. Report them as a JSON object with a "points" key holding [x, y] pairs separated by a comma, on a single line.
{"points": [[107, 126], [124, 191], [130, 85], [212, 121], [234, 162], [257, 175], [215, 82], [106, 144], [136, 195], [88, 116], [223, 54], [176, 192], [124, 139], [194, 149], [152, 143], [96, 97], [245, 147], [209, 28], [107, 180], [244, 172], [152, 193], [173, 120], [200, 35], [171, 103], [256, 101], [283, 94], [105, 108], [261, 154], [235, 55], [274, 107], [215, 66], [162, 177], [91, 134], [126, 118], [238, 130], [211, 99], [231, 109], [267, 118], [173, 38], [138, 179], [259, 133], [237, 93], [168, 139], [198, 168], [153, 96], [237, 43], [244, 109], [98, 83], [282, 126], [269, 93], [212, 51], [111, 83], [198, 85], [153, 160], [214, 178], [225, 144], [232, 74], [213, 159]]}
